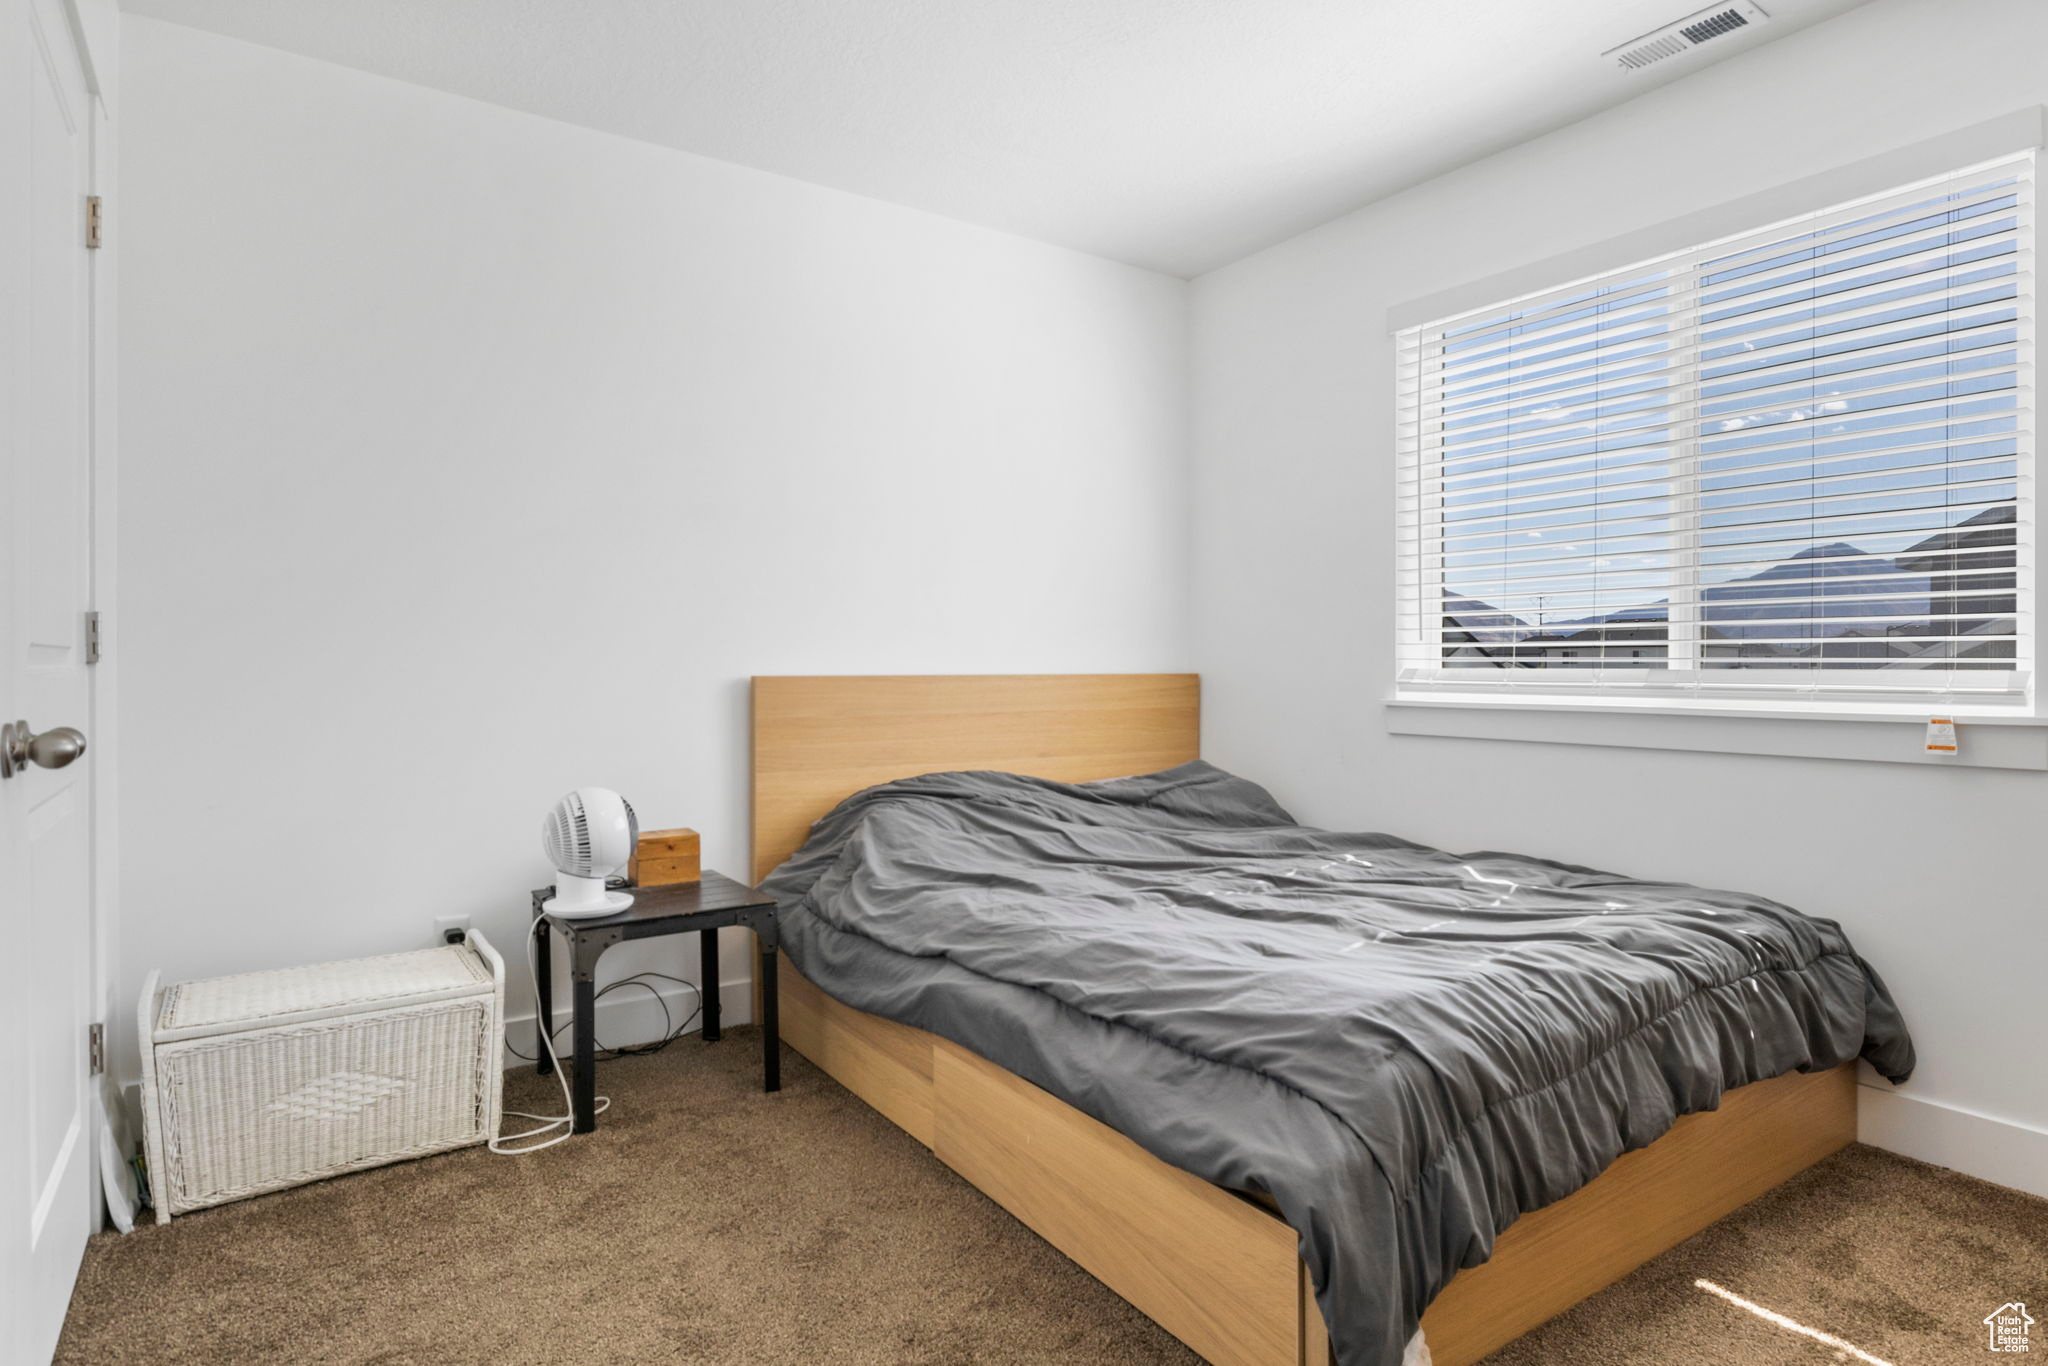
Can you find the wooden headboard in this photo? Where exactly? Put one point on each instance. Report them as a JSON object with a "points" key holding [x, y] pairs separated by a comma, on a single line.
{"points": [[819, 740]]}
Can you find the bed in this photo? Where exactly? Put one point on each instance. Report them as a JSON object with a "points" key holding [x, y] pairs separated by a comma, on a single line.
{"points": [[1215, 1267]]}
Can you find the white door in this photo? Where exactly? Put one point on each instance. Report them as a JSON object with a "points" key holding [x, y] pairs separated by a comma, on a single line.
{"points": [[46, 813]]}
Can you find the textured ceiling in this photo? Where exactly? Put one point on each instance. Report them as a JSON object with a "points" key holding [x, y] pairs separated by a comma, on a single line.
{"points": [[1175, 134]]}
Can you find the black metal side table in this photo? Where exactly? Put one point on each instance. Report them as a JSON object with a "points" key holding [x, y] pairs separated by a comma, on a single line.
{"points": [[705, 907]]}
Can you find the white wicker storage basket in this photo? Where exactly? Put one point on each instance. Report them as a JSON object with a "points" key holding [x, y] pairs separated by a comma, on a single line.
{"points": [[272, 1079]]}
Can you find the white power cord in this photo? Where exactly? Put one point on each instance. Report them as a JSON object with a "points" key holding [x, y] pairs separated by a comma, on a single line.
{"points": [[566, 1121]]}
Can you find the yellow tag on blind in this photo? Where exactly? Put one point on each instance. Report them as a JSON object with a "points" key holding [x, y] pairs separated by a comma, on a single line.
{"points": [[1941, 737]]}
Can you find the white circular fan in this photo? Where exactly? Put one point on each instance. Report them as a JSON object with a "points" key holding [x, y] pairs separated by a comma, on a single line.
{"points": [[588, 836]]}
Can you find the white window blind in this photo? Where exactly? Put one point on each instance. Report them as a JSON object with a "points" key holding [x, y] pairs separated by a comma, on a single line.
{"points": [[1795, 462]]}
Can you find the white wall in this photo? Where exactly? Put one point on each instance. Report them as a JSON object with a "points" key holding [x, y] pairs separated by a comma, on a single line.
{"points": [[471, 457], [1935, 872]]}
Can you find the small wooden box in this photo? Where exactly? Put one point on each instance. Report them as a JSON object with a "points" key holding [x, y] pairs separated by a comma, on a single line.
{"points": [[663, 857]]}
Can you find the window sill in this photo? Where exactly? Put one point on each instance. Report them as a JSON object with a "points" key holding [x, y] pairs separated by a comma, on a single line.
{"points": [[1873, 735]]}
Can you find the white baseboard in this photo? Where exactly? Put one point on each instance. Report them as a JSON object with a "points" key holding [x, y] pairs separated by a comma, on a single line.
{"points": [[629, 1016], [1976, 1145]]}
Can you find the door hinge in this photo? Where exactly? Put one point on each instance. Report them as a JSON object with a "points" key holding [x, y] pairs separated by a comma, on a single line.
{"points": [[92, 220], [96, 1048], [92, 637]]}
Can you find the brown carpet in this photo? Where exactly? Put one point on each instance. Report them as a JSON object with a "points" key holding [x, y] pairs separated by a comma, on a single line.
{"points": [[706, 1222]]}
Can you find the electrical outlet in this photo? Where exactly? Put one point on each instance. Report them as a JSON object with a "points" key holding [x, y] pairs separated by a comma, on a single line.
{"points": [[449, 929]]}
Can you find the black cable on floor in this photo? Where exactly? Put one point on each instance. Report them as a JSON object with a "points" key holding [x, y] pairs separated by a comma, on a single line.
{"points": [[670, 1030]]}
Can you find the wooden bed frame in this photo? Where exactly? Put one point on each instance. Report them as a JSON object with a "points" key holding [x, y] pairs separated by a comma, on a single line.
{"points": [[1216, 1269]]}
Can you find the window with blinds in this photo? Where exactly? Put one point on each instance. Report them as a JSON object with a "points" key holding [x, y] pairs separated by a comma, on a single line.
{"points": [[1796, 462]]}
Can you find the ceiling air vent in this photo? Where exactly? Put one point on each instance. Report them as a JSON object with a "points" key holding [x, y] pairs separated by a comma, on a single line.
{"points": [[1686, 34]]}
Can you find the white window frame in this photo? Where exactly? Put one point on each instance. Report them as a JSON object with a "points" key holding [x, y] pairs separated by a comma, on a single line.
{"points": [[2008, 732]]}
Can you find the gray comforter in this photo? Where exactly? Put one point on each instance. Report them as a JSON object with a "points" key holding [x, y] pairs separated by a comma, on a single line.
{"points": [[1406, 1049]]}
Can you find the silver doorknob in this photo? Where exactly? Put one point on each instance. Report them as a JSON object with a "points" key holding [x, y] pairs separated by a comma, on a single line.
{"points": [[20, 747]]}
